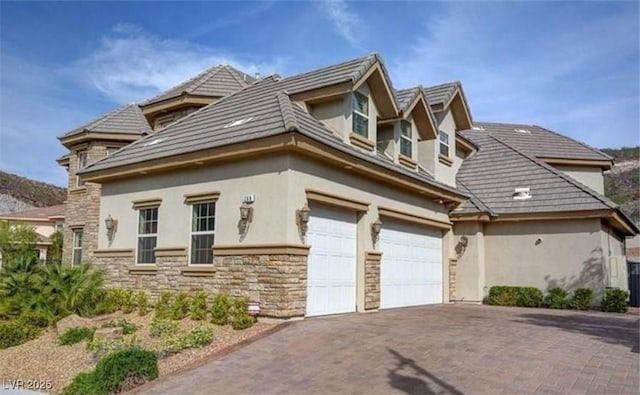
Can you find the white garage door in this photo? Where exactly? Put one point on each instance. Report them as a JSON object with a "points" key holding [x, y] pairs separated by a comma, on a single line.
{"points": [[331, 272], [411, 266]]}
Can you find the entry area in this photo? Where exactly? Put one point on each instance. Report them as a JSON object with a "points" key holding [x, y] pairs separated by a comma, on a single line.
{"points": [[411, 266], [331, 266]]}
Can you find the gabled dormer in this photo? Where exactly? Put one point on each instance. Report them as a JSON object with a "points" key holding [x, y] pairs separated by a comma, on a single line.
{"points": [[350, 98]]}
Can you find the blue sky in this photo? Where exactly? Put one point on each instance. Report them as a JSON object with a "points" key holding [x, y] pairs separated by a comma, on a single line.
{"points": [[571, 67]]}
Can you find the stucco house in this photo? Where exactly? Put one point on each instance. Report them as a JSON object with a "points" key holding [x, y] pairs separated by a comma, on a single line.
{"points": [[44, 221], [332, 192]]}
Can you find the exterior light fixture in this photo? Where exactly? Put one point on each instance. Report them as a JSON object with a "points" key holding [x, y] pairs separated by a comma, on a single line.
{"points": [[246, 216], [302, 220], [111, 225], [376, 227]]}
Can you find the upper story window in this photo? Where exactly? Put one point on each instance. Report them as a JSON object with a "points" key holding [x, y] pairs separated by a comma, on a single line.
{"points": [[444, 143], [59, 226], [360, 114], [82, 163], [406, 140], [147, 234], [76, 253], [203, 226]]}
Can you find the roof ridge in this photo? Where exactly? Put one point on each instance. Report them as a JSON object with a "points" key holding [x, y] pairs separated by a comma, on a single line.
{"points": [[577, 141], [456, 83], [97, 121], [184, 83], [361, 59], [201, 81], [232, 73], [289, 118], [371, 59], [558, 173]]}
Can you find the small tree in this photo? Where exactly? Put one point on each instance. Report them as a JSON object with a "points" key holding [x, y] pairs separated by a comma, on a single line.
{"points": [[17, 241], [54, 255]]}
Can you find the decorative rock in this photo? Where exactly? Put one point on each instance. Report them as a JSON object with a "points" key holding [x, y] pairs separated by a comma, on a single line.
{"points": [[73, 321], [108, 334]]}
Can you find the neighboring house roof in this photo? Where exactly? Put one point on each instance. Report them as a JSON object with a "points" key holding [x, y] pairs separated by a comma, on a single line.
{"points": [[494, 172], [124, 120], [218, 81], [37, 214], [257, 111], [540, 142]]}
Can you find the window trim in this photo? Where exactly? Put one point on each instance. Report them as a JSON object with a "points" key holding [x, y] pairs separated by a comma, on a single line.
{"points": [[146, 235], [79, 154], [196, 233], [75, 248], [406, 139], [446, 144], [355, 111]]}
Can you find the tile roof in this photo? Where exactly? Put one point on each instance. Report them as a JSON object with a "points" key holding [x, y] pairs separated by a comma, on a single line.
{"points": [[41, 213], [405, 97], [540, 142], [441, 94], [218, 81], [493, 173], [126, 120], [257, 111]]}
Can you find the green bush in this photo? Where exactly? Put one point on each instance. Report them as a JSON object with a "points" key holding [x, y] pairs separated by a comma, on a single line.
{"points": [[127, 326], [180, 306], [582, 299], [103, 347], [122, 367], [85, 383], [160, 328], [143, 303], [75, 335], [127, 301], [614, 301], [162, 308], [69, 289], [13, 333], [515, 296], [242, 321], [197, 337], [198, 307], [38, 318], [220, 309], [556, 298]]}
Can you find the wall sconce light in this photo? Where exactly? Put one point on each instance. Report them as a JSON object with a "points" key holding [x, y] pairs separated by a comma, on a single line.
{"points": [[461, 246], [246, 216], [538, 241], [376, 227], [111, 225], [302, 220]]}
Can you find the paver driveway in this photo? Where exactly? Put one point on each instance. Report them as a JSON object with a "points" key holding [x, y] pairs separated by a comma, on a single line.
{"points": [[437, 349]]}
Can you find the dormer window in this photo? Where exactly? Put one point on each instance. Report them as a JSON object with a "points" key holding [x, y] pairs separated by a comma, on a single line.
{"points": [[406, 140], [444, 143], [360, 115]]}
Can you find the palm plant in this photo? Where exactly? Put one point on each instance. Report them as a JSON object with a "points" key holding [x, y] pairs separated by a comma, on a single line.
{"points": [[19, 280], [70, 289]]}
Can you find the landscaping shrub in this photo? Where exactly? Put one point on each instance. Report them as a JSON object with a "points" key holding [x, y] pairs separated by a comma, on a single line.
{"points": [[117, 369], [38, 318], [240, 317], [614, 301], [180, 306], [556, 298], [220, 309], [582, 299], [143, 303], [85, 383], [19, 286], [197, 337], [162, 308], [127, 326], [162, 327], [198, 307], [75, 335], [127, 301], [13, 333], [242, 321], [66, 289], [103, 347], [515, 296]]}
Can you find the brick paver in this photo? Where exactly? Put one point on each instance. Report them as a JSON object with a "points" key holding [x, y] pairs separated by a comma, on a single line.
{"points": [[446, 349]]}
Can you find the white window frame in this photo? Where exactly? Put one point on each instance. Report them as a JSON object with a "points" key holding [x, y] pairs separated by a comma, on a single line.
{"points": [[407, 139], [354, 111], [146, 235], [81, 164], [444, 143], [196, 233], [75, 248]]}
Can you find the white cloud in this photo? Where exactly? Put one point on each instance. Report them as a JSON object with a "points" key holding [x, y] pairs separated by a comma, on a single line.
{"points": [[131, 64], [346, 22]]}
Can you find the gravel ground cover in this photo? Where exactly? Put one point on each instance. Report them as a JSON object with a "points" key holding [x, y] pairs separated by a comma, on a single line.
{"points": [[43, 359]]}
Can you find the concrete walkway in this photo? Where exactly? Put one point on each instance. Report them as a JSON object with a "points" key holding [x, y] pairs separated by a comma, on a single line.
{"points": [[447, 349]]}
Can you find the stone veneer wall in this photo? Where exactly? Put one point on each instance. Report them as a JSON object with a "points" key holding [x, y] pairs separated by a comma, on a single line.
{"points": [[278, 282], [83, 206], [372, 280], [453, 265]]}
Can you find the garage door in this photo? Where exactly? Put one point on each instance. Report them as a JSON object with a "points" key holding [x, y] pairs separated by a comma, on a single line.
{"points": [[411, 266], [331, 273]]}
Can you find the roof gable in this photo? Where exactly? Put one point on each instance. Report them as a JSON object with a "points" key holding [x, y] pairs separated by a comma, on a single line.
{"points": [[412, 102], [450, 95]]}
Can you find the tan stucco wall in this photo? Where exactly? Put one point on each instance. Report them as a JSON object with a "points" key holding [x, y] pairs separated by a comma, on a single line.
{"points": [[263, 177], [332, 113], [570, 255], [470, 276], [428, 151], [614, 255], [589, 176]]}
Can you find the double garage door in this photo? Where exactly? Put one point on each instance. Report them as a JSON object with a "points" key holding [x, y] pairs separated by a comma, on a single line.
{"points": [[410, 272]]}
